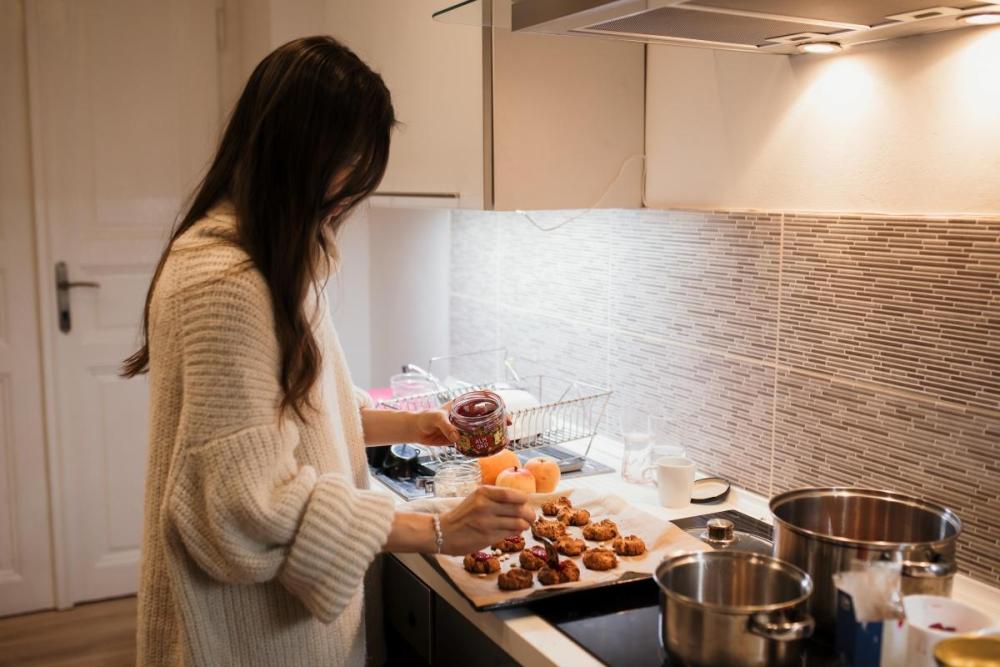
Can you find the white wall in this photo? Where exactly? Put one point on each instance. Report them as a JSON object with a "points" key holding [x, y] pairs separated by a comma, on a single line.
{"points": [[390, 300], [349, 295], [910, 126], [409, 280]]}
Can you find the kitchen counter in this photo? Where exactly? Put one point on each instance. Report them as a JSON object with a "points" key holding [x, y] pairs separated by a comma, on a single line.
{"points": [[528, 639]]}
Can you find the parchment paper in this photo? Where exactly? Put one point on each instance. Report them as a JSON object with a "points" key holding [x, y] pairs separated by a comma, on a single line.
{"points": [[662, 539]]}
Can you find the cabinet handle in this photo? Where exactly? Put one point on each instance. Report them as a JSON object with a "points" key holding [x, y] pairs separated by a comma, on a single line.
{"points": [[63, 286]]}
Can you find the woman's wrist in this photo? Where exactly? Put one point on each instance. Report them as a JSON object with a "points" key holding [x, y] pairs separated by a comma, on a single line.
{"points": [[412, 532]]}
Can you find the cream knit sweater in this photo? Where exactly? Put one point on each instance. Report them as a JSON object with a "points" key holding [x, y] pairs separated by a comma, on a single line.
{"points": [[258, 533]]}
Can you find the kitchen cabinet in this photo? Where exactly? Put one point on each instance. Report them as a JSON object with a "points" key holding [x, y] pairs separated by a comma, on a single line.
{"points": [[422, 628], [434, 72], [567, 117], [409, 608], [458, 642], [502, 120]]}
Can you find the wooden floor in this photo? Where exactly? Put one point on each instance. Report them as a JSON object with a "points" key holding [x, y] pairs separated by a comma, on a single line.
{"points": [[94, 634]]}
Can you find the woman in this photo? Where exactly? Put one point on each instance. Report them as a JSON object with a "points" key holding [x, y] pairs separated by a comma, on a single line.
{"points": [[258, 525]]}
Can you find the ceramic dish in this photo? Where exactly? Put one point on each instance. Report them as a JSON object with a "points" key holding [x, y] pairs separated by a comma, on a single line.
{"points": [[709, 490]]}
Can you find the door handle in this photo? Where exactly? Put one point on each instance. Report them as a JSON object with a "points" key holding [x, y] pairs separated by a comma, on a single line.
{"points": [[63, 286]]}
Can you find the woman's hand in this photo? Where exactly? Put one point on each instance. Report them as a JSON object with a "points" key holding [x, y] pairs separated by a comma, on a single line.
{"points": [[432, 427], [385, 427], [429, 427], [435, 428], [487, 515]]}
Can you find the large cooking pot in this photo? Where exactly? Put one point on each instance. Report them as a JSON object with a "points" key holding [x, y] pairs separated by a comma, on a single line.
{"points": [[732, 609], [823, 530]]}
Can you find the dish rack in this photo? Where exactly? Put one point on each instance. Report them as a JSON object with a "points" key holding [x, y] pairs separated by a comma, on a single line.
{"points": [[568, 411]]}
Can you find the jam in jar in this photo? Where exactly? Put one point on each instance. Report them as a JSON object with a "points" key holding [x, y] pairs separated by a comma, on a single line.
{"points": [[481, 420]]}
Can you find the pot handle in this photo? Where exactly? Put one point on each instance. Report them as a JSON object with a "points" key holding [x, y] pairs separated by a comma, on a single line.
{"points": [[939, 569], [781, 628]]}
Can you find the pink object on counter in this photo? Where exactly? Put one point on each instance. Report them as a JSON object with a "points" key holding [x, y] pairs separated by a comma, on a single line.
{"points": [[380, 393]]}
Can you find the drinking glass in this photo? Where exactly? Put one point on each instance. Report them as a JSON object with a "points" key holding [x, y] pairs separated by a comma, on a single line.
{"points": [[668, 438], [637, 434]]}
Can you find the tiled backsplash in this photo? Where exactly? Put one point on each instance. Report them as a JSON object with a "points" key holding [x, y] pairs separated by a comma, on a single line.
{"points": [[797, 350]]}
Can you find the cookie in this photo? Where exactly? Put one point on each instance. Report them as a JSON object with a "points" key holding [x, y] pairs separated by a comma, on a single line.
{"points": [[569, 571], [566, 572], [533, 558], [552, 507], [601, 531], [548, 528], [514, 579], [599, 559], [568, 545], [629, 545], [572, 517], [481, 562], [510, 544]]}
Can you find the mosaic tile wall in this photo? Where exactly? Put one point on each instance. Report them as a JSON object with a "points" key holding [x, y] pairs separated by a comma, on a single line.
{"points": [[795, 350]]}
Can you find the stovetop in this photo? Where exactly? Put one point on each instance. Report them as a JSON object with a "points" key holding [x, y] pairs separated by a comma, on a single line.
{"points": [[571, 465], [621, 626]]}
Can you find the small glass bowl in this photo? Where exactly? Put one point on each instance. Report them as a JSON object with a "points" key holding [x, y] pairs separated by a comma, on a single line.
{"points": [[455, 479]]}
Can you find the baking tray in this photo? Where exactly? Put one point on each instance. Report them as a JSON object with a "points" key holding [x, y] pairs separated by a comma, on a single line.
{"points": [[662, 538], [543, 594]]}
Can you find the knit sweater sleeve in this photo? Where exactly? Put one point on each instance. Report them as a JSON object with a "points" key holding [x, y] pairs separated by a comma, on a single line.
{"points": [[242, 505], [363, 399]]}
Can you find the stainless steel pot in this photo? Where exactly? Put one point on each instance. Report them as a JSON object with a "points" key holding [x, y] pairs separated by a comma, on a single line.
{"points": [[732, 609], [823, 530]]}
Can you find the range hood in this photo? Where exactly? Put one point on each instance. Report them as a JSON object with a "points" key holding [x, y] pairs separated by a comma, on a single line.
{"points": [[761, 26]]}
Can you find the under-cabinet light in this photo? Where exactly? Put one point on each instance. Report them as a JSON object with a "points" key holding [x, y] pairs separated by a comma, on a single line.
{"points": [[981, 18], [820, 47]]}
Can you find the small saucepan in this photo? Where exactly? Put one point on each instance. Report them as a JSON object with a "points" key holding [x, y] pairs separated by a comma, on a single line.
{"points": [[733, 609]]}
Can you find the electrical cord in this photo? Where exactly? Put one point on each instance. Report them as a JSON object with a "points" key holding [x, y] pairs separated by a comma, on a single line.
{"points": [[607, 190]]}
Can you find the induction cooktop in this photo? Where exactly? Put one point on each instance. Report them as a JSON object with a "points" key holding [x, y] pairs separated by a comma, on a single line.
{"points": [[620, 626]]}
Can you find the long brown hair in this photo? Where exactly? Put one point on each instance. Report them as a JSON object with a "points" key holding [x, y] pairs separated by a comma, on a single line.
{"points": [[311, 112]]}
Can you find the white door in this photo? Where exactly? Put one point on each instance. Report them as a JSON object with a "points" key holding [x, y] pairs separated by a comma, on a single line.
{"points": [[25, 551], [124, 110]]}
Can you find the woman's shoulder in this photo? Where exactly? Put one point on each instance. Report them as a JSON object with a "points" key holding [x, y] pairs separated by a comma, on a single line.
{"points": [[206, 263]]}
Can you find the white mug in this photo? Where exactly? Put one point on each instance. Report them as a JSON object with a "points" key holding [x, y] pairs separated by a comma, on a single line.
{"points": [[923, 611], [674, 479]]}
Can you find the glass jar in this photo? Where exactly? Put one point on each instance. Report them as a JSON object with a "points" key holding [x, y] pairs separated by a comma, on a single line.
{"points": [[481, 420], [456, 480]]}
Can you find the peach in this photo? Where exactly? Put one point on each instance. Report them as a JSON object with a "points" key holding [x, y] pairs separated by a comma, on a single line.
{"points": [[517, 478], [545, 471], [490, 466]]}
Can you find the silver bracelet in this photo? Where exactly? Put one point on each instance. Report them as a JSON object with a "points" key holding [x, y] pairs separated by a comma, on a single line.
{"points": [[438, 535]]}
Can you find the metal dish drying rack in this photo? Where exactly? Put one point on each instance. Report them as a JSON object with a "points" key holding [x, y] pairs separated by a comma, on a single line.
{"points": [[568, 411]]}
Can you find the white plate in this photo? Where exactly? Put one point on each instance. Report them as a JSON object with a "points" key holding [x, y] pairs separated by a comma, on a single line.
{"points": [[709, 489]]}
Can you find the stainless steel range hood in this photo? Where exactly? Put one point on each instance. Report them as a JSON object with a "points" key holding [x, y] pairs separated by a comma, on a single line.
{"points": [[762, 26]]}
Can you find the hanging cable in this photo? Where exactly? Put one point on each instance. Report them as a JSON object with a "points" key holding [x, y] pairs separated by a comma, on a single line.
{"points": [[611, 185]]}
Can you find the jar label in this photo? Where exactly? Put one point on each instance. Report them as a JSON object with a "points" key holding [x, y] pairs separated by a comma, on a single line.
{"points": [[482, 443]]}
